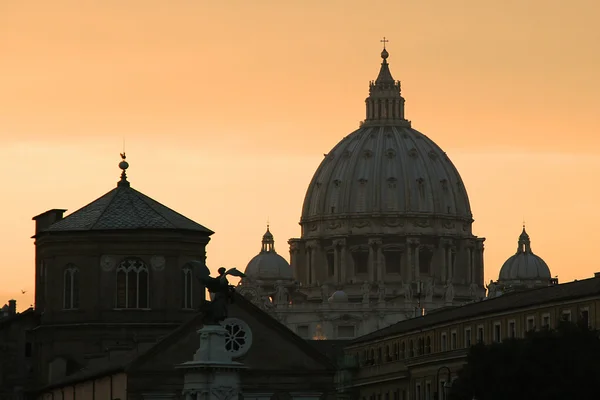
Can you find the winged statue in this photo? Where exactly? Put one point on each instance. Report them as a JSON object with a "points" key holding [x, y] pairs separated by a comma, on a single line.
{"points": [[215, 311]]}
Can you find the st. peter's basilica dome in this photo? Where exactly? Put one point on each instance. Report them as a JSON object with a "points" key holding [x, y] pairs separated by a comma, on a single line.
{"points": [[386, 204]]}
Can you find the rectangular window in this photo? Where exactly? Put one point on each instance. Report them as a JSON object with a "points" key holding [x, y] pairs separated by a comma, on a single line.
{"points": [[497, 332], [393, 261], [480, 338], [546, 320], [330, 263], [585, 317], [361, 262], [468, 337], [302, 331], [443, 344], [453, 340], [512, 329], [427, 391], [566, 315], [530, 323], [345, 331], [418, 392]]}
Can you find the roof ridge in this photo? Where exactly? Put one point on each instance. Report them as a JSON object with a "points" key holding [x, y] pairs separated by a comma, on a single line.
{"points": [[145, 199], [108, 203]]}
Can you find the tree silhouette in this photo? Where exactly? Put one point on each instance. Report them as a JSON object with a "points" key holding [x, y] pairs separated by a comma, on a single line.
{"points": [[547, 364]]}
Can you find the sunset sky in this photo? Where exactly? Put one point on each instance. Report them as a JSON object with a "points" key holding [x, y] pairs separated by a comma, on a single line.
{"points": [[227, 107]]}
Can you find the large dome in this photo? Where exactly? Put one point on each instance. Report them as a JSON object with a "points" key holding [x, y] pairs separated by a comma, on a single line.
{"points": [[268, 265], [386, 169], [524, 265]]}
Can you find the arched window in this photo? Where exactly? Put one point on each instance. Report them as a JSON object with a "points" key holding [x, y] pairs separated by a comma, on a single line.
{"points": [[411, 349], [132, 284], [187, 288], [71, 287], [428, 345]]}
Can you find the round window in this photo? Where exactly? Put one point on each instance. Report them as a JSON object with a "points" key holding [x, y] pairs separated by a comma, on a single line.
{"points": [[239, 337]]}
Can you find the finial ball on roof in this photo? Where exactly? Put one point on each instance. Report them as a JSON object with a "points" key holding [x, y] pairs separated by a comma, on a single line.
{"points": [[123, 165], [385, 54]]}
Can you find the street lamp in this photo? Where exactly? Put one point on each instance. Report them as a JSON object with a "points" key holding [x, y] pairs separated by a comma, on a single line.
{"points": [[447, 384]]}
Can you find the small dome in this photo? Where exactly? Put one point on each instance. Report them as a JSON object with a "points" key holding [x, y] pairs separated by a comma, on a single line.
{"points": [[339, 296], [524, 265], [268, 265]]}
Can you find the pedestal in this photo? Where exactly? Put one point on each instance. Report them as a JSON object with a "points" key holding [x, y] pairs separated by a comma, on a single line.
{"points": [[211, 375]]}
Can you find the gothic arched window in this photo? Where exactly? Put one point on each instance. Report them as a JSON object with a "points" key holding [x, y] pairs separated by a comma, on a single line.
{"points": [[71, 287], [187, 288], [132, 284]]}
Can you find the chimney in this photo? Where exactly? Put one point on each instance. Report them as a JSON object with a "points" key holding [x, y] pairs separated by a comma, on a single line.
{"points": [[596, 274], [12, 307], [44, 220]]}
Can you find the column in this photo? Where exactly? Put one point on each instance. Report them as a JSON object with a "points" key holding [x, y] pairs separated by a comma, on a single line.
{"points": [[308, 261], [469, 263], [336, 262], [343, 263], [417, 248], [372, 263], [409, 260], [294, 253], [380, 260]]}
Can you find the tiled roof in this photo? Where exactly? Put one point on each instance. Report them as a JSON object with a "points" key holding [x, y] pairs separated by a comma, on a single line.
{"points": [[125, 208], [511, 301]]}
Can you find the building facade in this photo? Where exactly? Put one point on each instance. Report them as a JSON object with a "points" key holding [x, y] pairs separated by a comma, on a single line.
{"points": [[414, 359]]}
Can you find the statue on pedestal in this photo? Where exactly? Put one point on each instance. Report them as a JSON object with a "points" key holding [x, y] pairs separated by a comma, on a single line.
{"points": [[366, 292], [215, 311]]}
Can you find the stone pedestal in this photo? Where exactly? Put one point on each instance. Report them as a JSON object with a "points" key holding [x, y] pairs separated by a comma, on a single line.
{"points": [[211, 375]]}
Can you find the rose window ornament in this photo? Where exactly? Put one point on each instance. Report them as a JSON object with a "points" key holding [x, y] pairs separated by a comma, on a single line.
{"points": [[238, 338]]}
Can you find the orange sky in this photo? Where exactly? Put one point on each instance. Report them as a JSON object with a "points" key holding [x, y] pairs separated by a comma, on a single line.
{"points": [[228, 106]]}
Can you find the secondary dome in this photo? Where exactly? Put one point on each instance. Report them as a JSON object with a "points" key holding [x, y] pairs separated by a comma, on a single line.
{"points": [[386, 168], [268, 265], [524, 265]]}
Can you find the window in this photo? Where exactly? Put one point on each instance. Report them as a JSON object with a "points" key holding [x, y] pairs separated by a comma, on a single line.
{"points": [[71, 287], [468, 337], [480, 332], [443, 344], [396, 355], [566, 315], [393, 261], [418, 391], [411, 349], [584, 317], [302, 331], [512, 329], [28, 348], [497, 332], [132, 284], [425, 257], [427, 390], [530, 323], [403, 350], [187, 289], [345, 331], [361, 262], [546, 320], [428, 345], [453, 340], [330, 263]]}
